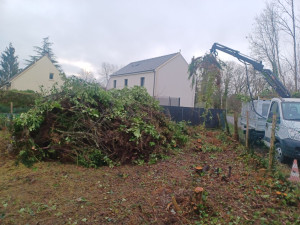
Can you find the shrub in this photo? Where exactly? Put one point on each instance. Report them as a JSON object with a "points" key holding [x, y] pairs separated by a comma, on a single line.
{"points": [[22, 100]]}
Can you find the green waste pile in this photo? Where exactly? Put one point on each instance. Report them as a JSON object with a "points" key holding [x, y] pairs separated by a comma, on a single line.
{"points": [[84, 124]]}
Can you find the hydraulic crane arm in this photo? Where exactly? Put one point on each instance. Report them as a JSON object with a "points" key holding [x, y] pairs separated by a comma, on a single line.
{"points": [[272, 80]]}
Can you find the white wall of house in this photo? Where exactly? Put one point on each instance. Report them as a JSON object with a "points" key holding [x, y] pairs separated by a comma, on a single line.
{"points": [[172, 80], [37, 75], [133, 80]]}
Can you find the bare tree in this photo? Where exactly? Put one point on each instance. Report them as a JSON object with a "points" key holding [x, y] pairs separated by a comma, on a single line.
{"points": [[236, 76], [238, 83], [287, 22], [288, 73], [265, 39], [106, 70], [234, 83], [226, 77], [87, 75], [257, 82]]}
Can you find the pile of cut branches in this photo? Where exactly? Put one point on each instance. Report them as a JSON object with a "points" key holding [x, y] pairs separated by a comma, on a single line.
{"points": [[84, 124]]}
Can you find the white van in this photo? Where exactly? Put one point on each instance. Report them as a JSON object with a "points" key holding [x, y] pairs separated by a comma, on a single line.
{"points": [[257, 111], [287, 132]]}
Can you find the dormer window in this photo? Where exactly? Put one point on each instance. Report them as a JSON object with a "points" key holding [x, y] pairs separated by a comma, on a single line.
{"points": [[51, 76]]}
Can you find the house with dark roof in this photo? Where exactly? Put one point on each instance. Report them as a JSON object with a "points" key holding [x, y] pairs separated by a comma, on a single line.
{"points": [[164, 77], [41, 73]]}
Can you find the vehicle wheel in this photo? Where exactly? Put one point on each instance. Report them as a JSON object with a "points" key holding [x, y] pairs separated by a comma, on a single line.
{"points": [[279, 153]]}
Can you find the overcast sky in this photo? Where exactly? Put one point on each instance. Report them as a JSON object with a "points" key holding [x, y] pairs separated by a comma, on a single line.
{"points": [[86, 33]]}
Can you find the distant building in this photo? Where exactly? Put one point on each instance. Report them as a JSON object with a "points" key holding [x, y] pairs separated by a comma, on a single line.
{"points": [[164, 77], [40, 73]]}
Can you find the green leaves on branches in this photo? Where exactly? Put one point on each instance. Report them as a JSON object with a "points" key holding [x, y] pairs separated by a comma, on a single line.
{"points": [[205, 72], [84, 124]]}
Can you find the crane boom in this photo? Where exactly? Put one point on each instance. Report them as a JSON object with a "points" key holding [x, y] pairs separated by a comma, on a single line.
{"points": [[272, 79]]}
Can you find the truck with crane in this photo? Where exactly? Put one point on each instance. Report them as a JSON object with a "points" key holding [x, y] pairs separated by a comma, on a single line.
{"points": [[287, 110]]}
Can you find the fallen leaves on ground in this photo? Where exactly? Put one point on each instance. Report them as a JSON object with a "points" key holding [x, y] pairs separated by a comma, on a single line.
{"points": [[55, 193]]}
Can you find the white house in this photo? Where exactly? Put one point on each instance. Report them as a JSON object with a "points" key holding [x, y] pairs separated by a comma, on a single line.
{"points": [[164, 77], [40, 73]]}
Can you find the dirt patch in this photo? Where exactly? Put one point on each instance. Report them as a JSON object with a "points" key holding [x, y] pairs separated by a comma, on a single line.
{"points": [[55, 193]]}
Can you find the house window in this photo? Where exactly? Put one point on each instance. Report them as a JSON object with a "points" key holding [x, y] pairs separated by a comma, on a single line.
{"points": [[115, 83], [51, 75], [142, 81], [125, 82]]}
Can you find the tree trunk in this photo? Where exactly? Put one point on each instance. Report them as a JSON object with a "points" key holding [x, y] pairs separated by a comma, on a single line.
{"points": [[295, 46]]}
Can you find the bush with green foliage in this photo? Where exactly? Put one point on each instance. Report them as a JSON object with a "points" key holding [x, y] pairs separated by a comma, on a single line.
{"points": [[92, 127], [296, 95], [22, 100]]}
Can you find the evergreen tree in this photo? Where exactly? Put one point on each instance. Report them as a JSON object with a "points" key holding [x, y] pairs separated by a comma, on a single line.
{"points": [[9, 64], [45, 49]]}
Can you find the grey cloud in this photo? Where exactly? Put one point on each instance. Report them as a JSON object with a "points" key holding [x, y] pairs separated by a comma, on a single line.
{"points": [[123, 31]]}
